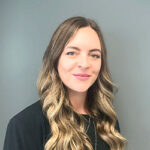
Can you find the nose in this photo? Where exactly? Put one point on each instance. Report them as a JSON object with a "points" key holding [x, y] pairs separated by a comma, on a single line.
{"points": [[83, 62]]}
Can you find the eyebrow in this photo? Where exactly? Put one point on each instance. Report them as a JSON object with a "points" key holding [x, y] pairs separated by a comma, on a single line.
{"points": [[78, 49]]}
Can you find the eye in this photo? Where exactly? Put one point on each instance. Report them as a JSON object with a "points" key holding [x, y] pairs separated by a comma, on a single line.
{"points": [[70, 53], [95, 56]]}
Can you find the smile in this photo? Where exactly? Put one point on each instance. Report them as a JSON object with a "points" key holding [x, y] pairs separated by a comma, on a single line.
{"points": [[81, 76]]}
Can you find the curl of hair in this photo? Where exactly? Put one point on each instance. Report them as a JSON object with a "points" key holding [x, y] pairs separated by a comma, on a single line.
{"points": [[67, 126]]}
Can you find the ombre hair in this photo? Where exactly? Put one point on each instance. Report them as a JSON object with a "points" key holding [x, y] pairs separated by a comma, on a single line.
{"points": [[67, 126]]}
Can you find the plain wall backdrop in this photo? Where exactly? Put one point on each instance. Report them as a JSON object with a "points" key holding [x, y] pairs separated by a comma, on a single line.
{"points": [[26, 27]]}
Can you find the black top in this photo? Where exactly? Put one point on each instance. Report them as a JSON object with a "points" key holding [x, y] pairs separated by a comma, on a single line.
{"points": [[29, 130]]}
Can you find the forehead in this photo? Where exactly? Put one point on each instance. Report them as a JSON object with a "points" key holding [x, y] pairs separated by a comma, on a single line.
{"points": [[85, 37]]}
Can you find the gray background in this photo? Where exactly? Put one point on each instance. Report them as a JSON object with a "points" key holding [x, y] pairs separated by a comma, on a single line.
{"points": [[25, 30]]}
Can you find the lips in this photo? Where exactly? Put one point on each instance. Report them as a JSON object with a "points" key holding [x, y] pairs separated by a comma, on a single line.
{"points": [[80, 76]]}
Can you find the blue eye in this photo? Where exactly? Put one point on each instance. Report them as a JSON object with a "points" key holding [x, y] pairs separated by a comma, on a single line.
{"points": [[95, 56], [70, 53]]}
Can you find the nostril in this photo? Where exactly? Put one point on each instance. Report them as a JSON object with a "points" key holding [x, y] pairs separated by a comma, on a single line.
{"points": [[83, 65], [83, 62]]}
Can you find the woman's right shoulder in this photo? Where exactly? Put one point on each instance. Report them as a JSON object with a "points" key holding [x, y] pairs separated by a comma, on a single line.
{"points": [[29, 116], [27, 130]]}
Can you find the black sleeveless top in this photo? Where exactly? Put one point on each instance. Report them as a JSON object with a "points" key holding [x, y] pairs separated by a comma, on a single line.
{"points": [[29, 130]]}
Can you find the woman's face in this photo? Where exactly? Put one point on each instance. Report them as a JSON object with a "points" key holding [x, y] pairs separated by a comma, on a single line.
{"points": [[80, 62]]}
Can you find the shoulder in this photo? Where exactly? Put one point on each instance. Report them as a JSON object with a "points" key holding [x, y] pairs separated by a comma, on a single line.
{"points": [[26, 130], [30, 115], [29, 120]]}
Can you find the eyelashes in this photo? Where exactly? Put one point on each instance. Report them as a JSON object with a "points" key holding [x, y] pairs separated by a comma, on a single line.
{"points": [[70, 53], [92, 55], [95, 56]]}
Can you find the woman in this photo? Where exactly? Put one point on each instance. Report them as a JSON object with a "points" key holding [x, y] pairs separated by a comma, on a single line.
{"points": [[75, 110]]}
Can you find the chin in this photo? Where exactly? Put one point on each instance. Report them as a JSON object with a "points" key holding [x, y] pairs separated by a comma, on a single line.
{"points": [[80, 90]]}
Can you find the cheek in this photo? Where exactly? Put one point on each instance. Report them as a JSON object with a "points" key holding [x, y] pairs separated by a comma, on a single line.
{"points": [[65, 66], [97, 68]]}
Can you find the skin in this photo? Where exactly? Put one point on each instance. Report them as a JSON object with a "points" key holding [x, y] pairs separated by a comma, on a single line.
{"points": [[81, 55]]}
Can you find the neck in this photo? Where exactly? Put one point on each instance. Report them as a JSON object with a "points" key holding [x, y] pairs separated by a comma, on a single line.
{"points": [[78, 101]]}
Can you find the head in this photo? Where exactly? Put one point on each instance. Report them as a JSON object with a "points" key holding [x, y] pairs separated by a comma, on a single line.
{"points": [[62, 36]]}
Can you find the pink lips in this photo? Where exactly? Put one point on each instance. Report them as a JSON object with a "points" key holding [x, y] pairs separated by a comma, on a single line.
{"points": [[82, 76]]}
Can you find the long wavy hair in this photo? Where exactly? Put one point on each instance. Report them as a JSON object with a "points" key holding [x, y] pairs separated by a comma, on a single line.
{"points": [[67, 126]]}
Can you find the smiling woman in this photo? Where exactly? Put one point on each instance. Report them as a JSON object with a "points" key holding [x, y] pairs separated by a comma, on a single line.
{"points": [[75, 111], [80, 61]]}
